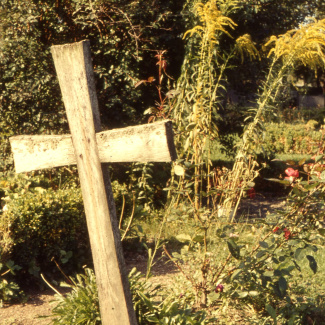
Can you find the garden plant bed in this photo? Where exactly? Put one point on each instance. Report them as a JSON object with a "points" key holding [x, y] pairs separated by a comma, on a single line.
{"points": [[39, 302], [240, 129]]}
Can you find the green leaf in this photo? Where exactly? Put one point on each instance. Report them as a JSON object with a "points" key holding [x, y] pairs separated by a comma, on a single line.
{"points": [[213, 296], [284, 182], [259, 254], [183, 238], [198, 238], [140, 229], [264, 244], [311, 186], [322, 175], [298, 256], [268, 273], [235, 274], [297, 191], [234, 249], [282, 285], [313, 248], [242, 294], [302, 161], [179, 170], [321, 231], [318, 158], [189, 184], [290, 162], [185, 249], [293, 242], [271, 312], [66, 256], [312, 263]]}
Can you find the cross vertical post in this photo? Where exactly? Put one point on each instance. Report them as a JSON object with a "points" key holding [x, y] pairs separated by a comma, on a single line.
{"points": [[76, 79]]}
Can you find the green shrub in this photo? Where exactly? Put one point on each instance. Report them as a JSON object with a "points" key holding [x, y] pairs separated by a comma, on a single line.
{"points": [[42, 222], [272, 263], [46, 224], [81, 305], [287, 138], [9, 290]]}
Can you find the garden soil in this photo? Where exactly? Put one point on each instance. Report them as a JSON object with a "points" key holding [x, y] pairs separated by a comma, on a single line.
{"points": [[41, 303]]}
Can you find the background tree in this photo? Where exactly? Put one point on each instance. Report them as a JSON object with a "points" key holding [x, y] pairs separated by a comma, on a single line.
{"points": [[124, 38]]}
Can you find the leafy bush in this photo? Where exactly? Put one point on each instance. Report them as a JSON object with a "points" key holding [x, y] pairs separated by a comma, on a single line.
{"points": [[292, 138], [81, 305], [281, 138], [289, 238], [40, 222], [9, 290], [45, 224]]}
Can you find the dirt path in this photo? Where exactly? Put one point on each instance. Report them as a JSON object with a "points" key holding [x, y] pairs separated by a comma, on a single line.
{"points": [[261, 204], [39, 303], [27, 313]]}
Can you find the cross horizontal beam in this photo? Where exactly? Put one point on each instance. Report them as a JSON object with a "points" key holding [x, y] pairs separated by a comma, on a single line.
{"points": [[144, 143]]}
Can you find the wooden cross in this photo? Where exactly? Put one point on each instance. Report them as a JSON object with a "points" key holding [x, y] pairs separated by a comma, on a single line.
{"points": [[89, 148]]}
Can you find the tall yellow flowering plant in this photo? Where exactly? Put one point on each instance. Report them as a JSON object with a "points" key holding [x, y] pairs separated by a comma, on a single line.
{"points": [[202, 81], [303, 46]]}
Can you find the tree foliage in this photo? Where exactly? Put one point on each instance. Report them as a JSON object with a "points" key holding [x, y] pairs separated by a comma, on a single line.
{"points": [[123, 35], [263, 18]]}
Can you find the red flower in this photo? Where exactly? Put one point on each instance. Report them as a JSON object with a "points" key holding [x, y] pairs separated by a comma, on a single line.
{"points": [[219, 288], [251, 193], [276, 229], [287, 233], [292, 174]]}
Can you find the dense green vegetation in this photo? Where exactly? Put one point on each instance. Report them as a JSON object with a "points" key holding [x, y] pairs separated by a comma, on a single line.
{"points": [[186, 61]]}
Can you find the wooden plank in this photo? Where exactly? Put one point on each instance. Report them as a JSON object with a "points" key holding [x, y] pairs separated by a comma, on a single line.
{"points": [[75, 74], [144, 143]]}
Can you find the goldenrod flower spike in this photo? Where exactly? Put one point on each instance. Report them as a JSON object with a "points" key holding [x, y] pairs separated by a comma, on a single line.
{"points": [[245, 45], [212, 20], [305, 45]]}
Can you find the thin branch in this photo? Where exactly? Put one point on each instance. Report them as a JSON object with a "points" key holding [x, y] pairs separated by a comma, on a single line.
{"points": [[51, 286]]}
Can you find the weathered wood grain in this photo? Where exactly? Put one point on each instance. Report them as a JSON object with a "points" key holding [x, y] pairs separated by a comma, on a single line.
{"points": [[144, 143]]}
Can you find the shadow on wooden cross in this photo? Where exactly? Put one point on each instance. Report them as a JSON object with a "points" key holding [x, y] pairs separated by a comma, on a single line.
{"points": [[89, 148]]}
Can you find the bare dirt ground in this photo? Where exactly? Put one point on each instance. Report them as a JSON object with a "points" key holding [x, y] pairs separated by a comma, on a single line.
{"points": [[27, 313], [38, 303], [261, 204]]}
